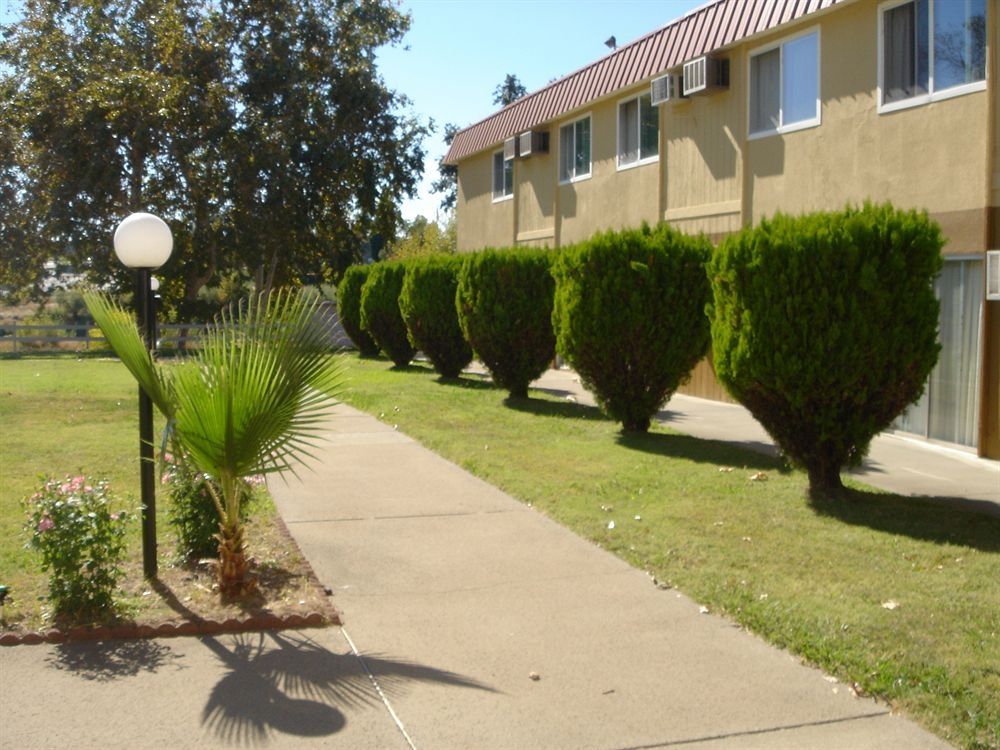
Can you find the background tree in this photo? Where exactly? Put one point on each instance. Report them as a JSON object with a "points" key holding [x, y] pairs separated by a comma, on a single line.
{"points": [[509, 91], [423, 237], [260, 131], [447, 181]]}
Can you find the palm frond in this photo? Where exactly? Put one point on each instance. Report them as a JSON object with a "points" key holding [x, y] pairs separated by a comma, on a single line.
{"points": [[252, 401], [122, 335]]}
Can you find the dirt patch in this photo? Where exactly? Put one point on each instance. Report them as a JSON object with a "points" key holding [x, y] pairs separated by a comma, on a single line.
{"points": [[184, 598]]}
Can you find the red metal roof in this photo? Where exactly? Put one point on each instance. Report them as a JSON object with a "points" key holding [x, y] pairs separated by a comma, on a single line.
{"points": [[710, 27]]}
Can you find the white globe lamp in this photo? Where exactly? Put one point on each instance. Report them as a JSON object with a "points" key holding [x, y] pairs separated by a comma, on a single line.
{"points": [[143, 241]]}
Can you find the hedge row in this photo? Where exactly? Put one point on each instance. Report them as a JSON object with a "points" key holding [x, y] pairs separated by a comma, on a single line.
{"points": [[824, 326]]}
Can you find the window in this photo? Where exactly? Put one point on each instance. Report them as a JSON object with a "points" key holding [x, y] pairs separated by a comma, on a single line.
{"points": [[638, 131], [930, 49], [574, 150], [784, 86], [949, 408], [503, 177]]}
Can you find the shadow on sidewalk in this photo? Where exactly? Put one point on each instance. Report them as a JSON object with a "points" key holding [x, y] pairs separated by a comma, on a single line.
{"points": [[287, 683], [945, 520], [104, 661]]}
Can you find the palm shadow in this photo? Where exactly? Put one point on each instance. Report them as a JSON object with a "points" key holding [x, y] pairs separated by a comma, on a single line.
{"points": [[700, 450], [943, 520], [287, 683]]}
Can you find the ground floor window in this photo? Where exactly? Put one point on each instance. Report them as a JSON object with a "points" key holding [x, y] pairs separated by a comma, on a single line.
{"points": [[949, 408]]}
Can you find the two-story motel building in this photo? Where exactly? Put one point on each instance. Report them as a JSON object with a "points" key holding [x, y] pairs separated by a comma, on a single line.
{"points": [[743, 108]]}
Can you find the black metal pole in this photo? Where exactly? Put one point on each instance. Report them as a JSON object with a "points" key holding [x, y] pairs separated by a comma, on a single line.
{"points": [[147, 474]]}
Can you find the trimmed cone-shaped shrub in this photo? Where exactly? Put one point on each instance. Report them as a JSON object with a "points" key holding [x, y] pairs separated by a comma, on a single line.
{"points": [[427, 304], [380, 311], [825, 327], [505, 310], [630, 318], [349, 309]]}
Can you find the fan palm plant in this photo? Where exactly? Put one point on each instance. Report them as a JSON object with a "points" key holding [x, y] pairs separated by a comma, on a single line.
{"points": [[249, 401]]}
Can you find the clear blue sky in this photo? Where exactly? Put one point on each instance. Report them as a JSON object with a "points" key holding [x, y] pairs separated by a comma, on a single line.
{"points": [[457, 51]]}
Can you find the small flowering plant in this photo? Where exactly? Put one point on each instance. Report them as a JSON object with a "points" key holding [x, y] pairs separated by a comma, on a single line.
{"points": [[81, 540]]}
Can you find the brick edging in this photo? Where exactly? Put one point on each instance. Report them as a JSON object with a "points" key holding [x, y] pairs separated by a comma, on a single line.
{"points": [[199, 626]]}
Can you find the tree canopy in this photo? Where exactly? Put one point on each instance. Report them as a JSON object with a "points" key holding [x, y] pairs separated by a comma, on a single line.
{"points": [[261, 132], [509, 91]]}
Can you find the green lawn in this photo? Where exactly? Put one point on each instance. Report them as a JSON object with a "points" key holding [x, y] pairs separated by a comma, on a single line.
{"points": [[810, 578], [63, 415]]}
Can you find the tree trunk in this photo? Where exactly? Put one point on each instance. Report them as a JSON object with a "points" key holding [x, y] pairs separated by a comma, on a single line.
{"points": [[234, 567], [824, 481], [636, 425]]}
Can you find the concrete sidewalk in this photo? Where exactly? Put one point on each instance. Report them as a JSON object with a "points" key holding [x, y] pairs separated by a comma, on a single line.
{"points": [[454, 595], [431, 565]]}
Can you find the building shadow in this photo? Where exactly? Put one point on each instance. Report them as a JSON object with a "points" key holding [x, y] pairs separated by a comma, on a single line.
{"points": [[944, 520], [285, 682]]}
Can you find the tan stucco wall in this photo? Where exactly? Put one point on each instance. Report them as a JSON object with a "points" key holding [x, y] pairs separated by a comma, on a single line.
{"points": [[536, 179], [929, 156], [702, 181], [481, 222]]}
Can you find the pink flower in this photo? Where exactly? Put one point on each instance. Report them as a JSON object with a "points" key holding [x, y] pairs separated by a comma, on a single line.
{"points": [[115, 516], [45, 524], [168, 457], [66, 488]]}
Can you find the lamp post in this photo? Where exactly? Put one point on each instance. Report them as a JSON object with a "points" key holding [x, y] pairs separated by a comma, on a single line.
{"points": [[143, 242]]}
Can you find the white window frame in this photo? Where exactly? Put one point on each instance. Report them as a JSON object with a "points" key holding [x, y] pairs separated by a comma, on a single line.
{"points": [[779, 45], [590, 164], [618, 155], [931, 95], [493, 168]]}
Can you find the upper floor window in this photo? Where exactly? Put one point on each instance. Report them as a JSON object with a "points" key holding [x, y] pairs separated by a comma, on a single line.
{"points": [[784, 86], [930, 49], [503, 176], [638, 131], [574, 150]]}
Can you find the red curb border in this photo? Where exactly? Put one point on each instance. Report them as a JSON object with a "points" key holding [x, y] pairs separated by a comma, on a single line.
{"points": [[194, 627]]}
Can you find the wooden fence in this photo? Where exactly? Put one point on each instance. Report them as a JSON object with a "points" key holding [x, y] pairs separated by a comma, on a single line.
{"points": [[18, 337]]}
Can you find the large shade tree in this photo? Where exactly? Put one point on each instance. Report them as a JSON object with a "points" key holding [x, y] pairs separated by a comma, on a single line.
{"points": [[261, 131]]}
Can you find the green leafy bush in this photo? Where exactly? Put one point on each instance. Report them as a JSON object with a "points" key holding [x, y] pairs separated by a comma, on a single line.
{"points": [[504, 303], [629, 317], [427, 304], [349, 309], [192, 512], [825, 327], [81, 541], [380, 314]]}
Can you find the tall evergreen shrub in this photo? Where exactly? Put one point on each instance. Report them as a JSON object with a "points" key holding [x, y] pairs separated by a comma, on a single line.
{"points": [[630, 317], [504, 304], [349, 309], [825, 327], [380, 314], [427, 304]]}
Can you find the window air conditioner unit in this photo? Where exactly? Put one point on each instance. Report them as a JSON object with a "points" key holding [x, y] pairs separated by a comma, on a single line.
{"points": [[705, 74], [668, 88], [532, 142], [510, 148], [993, 275]]}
